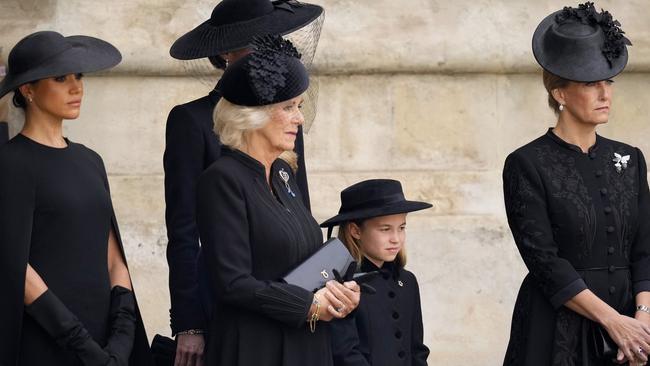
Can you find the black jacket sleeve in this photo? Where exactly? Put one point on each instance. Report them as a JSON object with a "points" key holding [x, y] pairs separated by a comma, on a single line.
{"points": [[641, 246], [224, 228], [526, 208], [419, 350], [183, 163], [17, 200], [346, 344]]}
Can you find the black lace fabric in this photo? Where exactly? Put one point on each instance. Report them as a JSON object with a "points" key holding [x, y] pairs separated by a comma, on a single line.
{"points": [[268, 65], [615, 40]]}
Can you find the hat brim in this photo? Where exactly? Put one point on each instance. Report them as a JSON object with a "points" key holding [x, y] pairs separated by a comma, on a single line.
{"points": [[207, 40], [86, 54], [392, 209], [572, 66]]}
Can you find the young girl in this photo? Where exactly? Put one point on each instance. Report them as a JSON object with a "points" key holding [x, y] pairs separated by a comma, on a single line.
{"points": [[387, 326]]}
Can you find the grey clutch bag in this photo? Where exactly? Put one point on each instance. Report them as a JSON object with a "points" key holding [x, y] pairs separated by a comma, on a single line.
{"points": [[315, 271]]}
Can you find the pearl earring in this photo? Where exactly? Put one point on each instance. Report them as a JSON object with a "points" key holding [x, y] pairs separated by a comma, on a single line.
{"points": [[30, 99], [561, 107]]}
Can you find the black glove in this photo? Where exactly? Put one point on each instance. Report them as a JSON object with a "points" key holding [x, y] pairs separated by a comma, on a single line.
{"points": [[68, 332], [123, 318], [360, 278]]}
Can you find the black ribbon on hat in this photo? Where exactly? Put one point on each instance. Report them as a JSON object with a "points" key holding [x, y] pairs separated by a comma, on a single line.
{"points": [[287, 5]]}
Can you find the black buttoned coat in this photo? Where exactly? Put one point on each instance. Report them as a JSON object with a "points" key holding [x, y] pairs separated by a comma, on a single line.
{"points": [[252, 235], [386, 329], [580, 221], [191, 146]]}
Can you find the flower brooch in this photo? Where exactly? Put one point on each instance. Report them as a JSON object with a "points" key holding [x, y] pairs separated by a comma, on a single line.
{"points": [[620, 162]]}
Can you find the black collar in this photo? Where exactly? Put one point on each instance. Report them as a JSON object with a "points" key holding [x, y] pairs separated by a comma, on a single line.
{"points": [[247, 160], [387, 269], [550, 134]]}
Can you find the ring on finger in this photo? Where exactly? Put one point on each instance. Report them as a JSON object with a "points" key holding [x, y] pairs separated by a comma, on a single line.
{"points": [[340, 309]]}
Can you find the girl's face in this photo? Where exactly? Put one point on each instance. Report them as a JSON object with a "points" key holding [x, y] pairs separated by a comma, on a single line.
{"points": [[588, 103], [381, 238], [59, 96]]}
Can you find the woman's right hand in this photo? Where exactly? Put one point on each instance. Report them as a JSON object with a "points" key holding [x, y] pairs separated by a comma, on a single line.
{"points": [[337, 300], [630, 335]]}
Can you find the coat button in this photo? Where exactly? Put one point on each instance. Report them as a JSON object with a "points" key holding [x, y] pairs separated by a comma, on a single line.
{"points": [[391, 294], [610, 250], [401, 354], [398, 334], [610, 229], [603, 191], [395, 315], [608, 210], [612, 289], [592, 155], [612, 269], [599, 173]]}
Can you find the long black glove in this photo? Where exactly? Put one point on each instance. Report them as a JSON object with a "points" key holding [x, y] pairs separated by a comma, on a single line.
{"points": [[123, 318], [360, 278], [68, 332]]}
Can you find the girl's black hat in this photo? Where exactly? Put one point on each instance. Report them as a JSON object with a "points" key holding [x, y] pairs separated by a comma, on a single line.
{"points": [[47, 54], [271, 74], [373, 198], [581, 44], [234, 23]]}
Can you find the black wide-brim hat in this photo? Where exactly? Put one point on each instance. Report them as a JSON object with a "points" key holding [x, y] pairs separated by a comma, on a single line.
{"points": [[579, 44], [234, 23], [373, 198], [47, 54]]}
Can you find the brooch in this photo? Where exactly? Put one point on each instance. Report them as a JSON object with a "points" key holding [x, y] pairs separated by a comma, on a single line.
{"points": [[285, 178], [620, 162], [400, 283]]}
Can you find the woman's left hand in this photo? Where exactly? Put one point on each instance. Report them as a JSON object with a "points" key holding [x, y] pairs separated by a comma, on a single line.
{"points": [[344, 298]]}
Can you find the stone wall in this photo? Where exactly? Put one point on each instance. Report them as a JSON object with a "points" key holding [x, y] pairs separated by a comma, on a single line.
{"points": [[434, 93]]}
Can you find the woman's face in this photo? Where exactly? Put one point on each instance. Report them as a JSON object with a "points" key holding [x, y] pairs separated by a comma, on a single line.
{"points": [[587, 102], [282, 129], [59, 97], [381, 238]]}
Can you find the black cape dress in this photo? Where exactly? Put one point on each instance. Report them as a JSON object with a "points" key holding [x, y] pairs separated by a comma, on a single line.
{"points": [[580, 221], [55, 214], [251, 237]]}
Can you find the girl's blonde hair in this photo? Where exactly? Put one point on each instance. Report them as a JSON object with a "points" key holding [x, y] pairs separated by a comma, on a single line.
{"points": [[232, 122], [354, 246]]}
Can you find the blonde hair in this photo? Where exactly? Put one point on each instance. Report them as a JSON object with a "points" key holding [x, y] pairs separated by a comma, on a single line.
{"points": [[232, 122], [354, 246]]}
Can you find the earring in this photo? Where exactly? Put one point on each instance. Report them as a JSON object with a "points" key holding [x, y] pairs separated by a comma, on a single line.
{"points": [[227, 62], [30, 99], [561, 107]]}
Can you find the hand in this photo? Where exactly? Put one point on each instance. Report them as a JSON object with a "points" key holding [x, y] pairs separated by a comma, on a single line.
{"points": [[343, 298], [189, 350], [630, 335]]}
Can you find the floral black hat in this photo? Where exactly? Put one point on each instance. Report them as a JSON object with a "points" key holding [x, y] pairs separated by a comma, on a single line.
{"points": [[271, 74], [373, 198], [581, 44]]}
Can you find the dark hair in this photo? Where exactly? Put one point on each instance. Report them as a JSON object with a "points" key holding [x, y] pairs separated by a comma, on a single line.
{"points": [[218, 62], [552, 82], [19, 99]]}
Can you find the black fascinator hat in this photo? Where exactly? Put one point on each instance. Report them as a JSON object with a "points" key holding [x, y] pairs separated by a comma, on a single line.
{"points": [[581, 44], [47, 54], [273, 73], [373, 198]]}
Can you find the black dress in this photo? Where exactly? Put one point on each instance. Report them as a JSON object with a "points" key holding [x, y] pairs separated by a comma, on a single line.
{"points": [[251, 237], [579, 222], [55, 214], [386, 329], [191, 146]]}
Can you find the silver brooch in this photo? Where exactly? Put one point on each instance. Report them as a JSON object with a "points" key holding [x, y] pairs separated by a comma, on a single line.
{"points": [[400, 283], [620, 162], [285, 178]]}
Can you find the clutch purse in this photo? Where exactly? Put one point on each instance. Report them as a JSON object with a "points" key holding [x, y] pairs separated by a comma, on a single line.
{"points": [[163, 350], [603, 346], [315, 271]]}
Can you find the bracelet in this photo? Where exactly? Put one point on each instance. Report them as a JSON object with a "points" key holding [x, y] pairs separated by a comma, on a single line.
{"points": [[191, 332], [315, 315], [643, 308]]}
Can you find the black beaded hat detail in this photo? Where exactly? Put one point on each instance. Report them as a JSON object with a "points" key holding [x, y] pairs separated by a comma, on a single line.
{"points": [[373, 198], [271, 74], [581, 44]]}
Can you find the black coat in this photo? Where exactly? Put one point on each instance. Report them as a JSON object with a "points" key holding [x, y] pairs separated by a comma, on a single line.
{"points": [[191, 146], [55, 214], [579, 224], [386, 329], [251, 237]]}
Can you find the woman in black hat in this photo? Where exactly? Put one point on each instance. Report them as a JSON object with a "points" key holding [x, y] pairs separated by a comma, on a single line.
{"points": [[66, 290], [191, 146], [578, 207], [253, 224], [387, 327]]}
